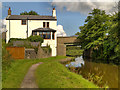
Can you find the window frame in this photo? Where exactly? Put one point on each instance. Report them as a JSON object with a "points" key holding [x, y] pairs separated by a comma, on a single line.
{"points": [[45, 33], [23, 23], [46, 24], [53, 34]]}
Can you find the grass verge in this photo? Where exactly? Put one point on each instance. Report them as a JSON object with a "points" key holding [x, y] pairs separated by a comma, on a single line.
{"points": [[52, 74], [15, 74]]}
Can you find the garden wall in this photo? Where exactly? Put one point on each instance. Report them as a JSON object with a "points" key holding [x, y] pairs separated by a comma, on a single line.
{"points": [[42, 54], [30, 54], [19, 43], [22, 53]]}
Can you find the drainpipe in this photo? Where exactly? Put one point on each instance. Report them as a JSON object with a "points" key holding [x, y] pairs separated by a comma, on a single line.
{"points": [[27, 27], [9, 29]]}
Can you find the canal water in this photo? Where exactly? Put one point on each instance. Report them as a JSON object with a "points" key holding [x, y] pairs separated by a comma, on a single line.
{"points": [[103, 74]]}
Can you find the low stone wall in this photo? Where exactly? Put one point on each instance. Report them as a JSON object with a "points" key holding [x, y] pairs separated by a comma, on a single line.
{"points": [[19, 43], [42, 54], [30, 54]]}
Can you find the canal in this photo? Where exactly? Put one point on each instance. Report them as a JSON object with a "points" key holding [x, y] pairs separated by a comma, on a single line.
{"points": [[101, 74]]}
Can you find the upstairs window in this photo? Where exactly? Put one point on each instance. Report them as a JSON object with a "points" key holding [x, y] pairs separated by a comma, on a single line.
{"points": [[45, 24], [23, 22]]}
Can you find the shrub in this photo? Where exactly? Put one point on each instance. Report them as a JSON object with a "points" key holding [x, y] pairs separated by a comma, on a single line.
{"points": [[35, 39], [16, 39], [47, 49], [6, 59]]}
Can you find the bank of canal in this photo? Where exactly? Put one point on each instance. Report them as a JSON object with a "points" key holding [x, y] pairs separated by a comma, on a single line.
{"points": [[101, 74]]}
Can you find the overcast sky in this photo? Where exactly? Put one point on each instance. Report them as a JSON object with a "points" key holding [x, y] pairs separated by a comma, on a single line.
{"points": [[69, 14]]}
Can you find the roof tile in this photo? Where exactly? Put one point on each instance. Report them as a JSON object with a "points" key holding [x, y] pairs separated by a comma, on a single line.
{"points": [[30, 17]]}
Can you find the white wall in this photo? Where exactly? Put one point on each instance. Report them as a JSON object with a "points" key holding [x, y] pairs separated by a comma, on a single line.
{"points": [[17, 30], [34, 24], [52, 45]]}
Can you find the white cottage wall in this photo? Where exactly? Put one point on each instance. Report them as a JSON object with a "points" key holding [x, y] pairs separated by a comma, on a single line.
{"points": [[16, 30]]}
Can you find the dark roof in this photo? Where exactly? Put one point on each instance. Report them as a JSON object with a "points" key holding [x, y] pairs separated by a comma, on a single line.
{"points": [[30, 17], [44, 30]]}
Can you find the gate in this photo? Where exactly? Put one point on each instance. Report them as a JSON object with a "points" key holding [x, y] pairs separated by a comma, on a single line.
{"points": [[16, 52]]}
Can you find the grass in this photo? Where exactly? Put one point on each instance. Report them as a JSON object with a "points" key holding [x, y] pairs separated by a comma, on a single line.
{"points": [[50, 74], [15, 74], [74, 51]]}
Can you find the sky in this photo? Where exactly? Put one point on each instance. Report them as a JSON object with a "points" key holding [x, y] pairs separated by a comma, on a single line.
{"points": [[70, 15]]}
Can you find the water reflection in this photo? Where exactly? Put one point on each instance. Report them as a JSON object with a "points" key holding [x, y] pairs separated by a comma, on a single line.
{"points": [[108, 72], [77, 63]]}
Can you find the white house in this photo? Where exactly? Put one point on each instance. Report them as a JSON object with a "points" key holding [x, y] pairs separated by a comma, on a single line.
{"points": [[23, 26]]}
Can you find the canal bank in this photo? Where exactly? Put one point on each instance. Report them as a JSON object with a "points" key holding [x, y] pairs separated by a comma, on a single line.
{"points": [[99, 73]]}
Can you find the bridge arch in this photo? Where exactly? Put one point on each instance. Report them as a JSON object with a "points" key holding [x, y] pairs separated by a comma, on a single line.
{"points": [[62, 42]]}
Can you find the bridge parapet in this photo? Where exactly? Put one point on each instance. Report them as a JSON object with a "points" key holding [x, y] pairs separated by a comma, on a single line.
{"points": [[61, 41]]}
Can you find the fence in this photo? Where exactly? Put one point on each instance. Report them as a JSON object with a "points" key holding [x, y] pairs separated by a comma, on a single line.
{"points": [[16, 52]]}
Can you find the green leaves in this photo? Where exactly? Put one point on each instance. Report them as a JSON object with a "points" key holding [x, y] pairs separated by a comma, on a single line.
{"points": [[29, 13], [35, 39], [101, 33]]}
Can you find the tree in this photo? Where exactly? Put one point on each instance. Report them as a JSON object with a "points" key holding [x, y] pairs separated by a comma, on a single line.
{"points": [[113, 43], [77, 33], [101, 35], [94, 31], [29, 13]]}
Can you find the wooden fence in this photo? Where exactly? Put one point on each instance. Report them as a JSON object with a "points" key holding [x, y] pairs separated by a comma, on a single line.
{"points": [[16, 52]]}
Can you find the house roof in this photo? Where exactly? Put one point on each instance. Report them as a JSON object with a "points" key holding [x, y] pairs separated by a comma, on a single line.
{"points": [[44, 30], [30, 17]]}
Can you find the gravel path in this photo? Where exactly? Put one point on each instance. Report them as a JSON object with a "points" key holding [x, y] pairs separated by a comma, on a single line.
{"points": [[29, 79]]}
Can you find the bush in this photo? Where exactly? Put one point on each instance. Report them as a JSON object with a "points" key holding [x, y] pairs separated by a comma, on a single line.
{"points": [[47, 49], [35, 39], [6, 59], [16, 39]]}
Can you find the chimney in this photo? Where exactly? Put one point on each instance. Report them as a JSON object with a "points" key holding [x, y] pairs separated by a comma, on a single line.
{"points": [[54, 12], [9, 11]]}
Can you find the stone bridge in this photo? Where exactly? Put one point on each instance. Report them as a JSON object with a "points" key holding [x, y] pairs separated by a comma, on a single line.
{"points": [[62, 42]]}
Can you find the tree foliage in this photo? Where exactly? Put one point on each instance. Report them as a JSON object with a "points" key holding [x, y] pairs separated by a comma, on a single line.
{"points": [[35, 39], [29, 13], [101, 35]]}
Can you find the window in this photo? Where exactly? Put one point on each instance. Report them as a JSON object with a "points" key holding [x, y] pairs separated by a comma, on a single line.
{"points": [[45, 35], [48, 35], [53, 35], [23, 22], [45, 24], [41, 34], [35, 33]]}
